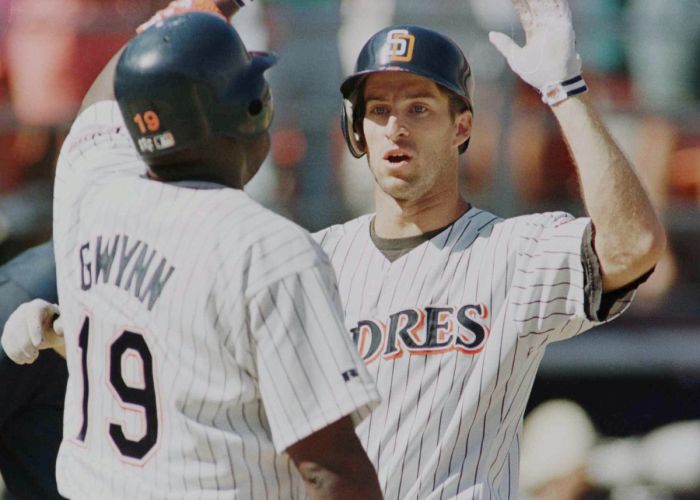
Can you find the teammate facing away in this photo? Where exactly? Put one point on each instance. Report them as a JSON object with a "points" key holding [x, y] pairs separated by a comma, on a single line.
{"points": [[205, 349], [450, 306]]}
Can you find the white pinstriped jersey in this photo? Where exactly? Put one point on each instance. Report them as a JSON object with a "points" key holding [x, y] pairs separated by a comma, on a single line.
{"points": [[453, 333], [203, 332]]}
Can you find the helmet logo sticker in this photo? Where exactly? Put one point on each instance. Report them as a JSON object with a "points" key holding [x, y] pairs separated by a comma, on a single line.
{"points": [[164, 140], [158, 142], [399, 45]]}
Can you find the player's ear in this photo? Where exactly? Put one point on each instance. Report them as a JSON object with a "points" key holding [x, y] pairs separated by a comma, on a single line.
{"points": [[463, 127]]}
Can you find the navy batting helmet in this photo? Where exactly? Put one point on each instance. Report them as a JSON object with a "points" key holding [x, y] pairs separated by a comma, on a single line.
{"points": [[187, 79], [412, 49]]}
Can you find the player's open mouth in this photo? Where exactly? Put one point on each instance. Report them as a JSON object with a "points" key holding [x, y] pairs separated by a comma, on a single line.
{"points": [[396, 158]]}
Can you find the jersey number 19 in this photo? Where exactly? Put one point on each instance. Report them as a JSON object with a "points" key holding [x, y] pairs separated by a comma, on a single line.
{"points": [[144, 397]]}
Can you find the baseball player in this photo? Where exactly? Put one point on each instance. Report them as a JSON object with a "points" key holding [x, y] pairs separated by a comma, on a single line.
{"points": [[451, 307], [202, 332]]}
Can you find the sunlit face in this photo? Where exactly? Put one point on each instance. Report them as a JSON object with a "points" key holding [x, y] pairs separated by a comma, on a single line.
{"points": [[412, 138]]}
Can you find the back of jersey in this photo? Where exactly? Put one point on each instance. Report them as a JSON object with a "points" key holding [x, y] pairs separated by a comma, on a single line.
{"points": [[159, 291]]}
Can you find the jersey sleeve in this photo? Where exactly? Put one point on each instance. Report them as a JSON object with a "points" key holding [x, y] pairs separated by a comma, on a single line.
{"points": [[557, 281], [309, 372], [322, 235], [97, 148]]}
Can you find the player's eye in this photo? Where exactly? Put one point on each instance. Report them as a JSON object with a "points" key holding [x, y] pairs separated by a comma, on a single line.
{"points": [[419, 108], [378, 110]]}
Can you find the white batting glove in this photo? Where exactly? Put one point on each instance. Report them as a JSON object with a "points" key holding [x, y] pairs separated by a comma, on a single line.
{"points": [[31, 328], [548, 61]]}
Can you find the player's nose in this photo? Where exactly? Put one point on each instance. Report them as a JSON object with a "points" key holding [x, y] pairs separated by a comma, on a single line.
{"points": [[395, 127]]}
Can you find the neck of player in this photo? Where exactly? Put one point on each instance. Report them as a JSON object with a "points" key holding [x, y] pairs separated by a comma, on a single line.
{"points": [[404, 218]]}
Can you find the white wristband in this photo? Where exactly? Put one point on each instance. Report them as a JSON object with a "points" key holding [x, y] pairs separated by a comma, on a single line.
{"points": [[554, 93]]}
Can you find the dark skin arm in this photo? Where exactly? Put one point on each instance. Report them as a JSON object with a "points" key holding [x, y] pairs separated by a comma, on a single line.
{"points": [[334, 465]]}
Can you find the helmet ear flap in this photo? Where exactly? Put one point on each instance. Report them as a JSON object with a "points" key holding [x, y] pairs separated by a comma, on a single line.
{"points": [[353, 138]]}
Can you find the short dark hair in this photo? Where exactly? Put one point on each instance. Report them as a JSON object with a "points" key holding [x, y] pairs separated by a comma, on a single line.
{"points": [[458, 104]]}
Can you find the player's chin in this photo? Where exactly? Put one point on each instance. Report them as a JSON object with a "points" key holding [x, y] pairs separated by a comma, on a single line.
{"points": [[398, 188]]}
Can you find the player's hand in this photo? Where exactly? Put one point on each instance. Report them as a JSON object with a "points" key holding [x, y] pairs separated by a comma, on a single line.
{"points": [[32, 327], [223, 8], [230, 7], [549, 55]]}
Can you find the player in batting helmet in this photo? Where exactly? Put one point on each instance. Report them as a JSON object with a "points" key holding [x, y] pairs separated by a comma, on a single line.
{"points": [[188, 85], [405, 48]]}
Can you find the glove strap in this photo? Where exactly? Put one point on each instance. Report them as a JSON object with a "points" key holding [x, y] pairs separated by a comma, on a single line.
{"points": [[554, 93]]}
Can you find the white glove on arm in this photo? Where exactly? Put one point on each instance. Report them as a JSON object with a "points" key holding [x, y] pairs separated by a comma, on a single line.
{"points": [[33, 326], [548, 61]]}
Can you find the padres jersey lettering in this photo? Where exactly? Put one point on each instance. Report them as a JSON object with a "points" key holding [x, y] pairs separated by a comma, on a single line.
{"points": [[429, 330], [453, 333], [202, 331]]}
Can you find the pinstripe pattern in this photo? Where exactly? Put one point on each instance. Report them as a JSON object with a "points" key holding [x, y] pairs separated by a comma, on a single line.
{"points": [[238, 308], [450, 419]]}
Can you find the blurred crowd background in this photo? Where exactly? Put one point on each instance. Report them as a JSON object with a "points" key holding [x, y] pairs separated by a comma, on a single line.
{"points": [[632, 388]]}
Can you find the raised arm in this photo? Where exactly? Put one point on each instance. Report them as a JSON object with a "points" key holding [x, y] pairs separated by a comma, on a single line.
{"points": [[629, 238]]}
